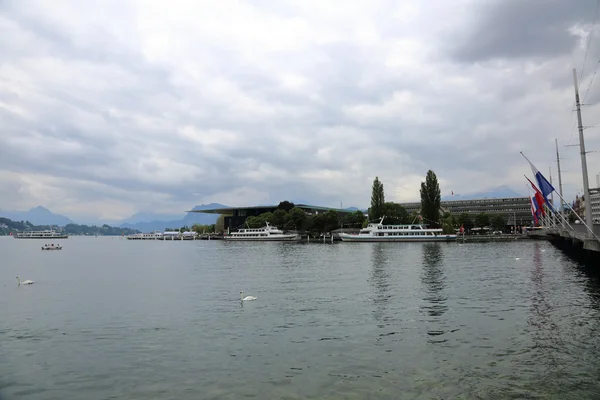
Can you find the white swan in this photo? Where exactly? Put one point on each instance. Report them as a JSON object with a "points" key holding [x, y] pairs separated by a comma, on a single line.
{"points": [[27, 282], [247, 298]]}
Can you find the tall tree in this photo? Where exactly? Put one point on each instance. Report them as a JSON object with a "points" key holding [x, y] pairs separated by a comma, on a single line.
{"points": [[431, 199], [220, 224], [377, 200]]}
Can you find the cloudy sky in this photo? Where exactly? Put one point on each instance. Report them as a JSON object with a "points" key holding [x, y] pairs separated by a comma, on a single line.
{"points": [[109, 107]]}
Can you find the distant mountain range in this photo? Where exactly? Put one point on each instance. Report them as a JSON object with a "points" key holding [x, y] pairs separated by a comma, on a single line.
{"points": [[144, 222], [37, 216], [159, 222]]}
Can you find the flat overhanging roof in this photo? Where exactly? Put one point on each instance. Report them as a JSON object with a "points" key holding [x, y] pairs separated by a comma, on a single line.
{"points": [[230, 210]]}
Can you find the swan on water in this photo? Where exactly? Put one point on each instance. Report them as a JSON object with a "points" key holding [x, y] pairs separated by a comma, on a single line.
{"points": [[247, 298], [27, 282]]}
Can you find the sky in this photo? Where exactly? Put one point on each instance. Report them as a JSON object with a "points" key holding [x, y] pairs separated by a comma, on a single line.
{"points": [[110, 107]]}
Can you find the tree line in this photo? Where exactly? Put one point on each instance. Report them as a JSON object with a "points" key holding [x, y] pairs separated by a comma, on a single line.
{"points": [[7, 226], [289, 217], [431, 210]]}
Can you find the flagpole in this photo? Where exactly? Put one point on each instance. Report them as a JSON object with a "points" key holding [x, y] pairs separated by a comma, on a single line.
{"points": [[552, 194], [586, 185]]}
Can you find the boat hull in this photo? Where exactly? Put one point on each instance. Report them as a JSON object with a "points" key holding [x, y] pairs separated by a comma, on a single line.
{"points": [[358, 238], [284, 238]]}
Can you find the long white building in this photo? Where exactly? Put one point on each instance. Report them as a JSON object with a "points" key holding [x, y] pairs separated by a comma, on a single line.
{"points": [[515, 210]]}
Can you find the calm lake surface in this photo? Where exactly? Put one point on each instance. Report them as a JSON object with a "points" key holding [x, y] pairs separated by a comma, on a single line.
{"points": [[111, 318]]}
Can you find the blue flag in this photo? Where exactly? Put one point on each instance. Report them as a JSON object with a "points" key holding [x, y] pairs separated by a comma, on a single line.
{"points": [[545, 187]]}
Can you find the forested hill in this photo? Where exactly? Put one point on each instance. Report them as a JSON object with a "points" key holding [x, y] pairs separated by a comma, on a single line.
{"points": [[7, 226]]}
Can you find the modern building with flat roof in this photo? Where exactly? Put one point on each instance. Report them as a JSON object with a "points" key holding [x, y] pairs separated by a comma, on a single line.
{"points": [[235, 217], [515, 210]]}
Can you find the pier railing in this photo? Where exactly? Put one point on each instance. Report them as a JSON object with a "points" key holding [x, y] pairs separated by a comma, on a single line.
{"points": [[578, 232]]}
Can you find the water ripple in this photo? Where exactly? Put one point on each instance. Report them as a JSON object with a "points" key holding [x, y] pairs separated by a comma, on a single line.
{"points": [[331, 321]]}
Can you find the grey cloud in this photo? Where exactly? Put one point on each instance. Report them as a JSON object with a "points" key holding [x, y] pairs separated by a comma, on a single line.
{"points": [[520, 29], [121, 126]]}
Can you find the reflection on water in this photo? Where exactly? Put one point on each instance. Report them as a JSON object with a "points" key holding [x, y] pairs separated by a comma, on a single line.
{"points": [[380, 281], [432, 278], [545, 332]]}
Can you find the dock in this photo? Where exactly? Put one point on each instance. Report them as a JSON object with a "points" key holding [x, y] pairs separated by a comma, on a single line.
{"points": [[175, 236]]}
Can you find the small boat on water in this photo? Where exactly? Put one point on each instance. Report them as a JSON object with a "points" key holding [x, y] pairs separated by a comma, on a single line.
{"points": [[267, 233], [51, 247], [377, 232]]}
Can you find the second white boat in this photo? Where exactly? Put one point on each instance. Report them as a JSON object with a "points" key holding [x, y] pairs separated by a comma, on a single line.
{"points": [[267, 233], [377, 232]]}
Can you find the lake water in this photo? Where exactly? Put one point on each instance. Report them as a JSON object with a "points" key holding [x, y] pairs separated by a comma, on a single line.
{"points": [[111, 318]]}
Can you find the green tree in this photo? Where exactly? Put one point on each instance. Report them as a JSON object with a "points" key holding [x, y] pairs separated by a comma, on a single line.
{"points": [[184, 228], [413, 217], [395, 214], [482, 220], [377, 200], [260, 220], [220, 224], [200, 228], [354, 220], [447, 226], [285, 205], [448, 223], [498, 223], [266, 217], [279, 218], [332, 220], [466, 221], [307, 225], [431, 199], [253, 222], [318, 224], [297, 216]]}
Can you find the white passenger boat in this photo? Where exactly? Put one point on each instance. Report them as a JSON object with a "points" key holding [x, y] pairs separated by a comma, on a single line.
{"points": [[265, 234], [378, 232], [147, 236], [47, 234]]}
